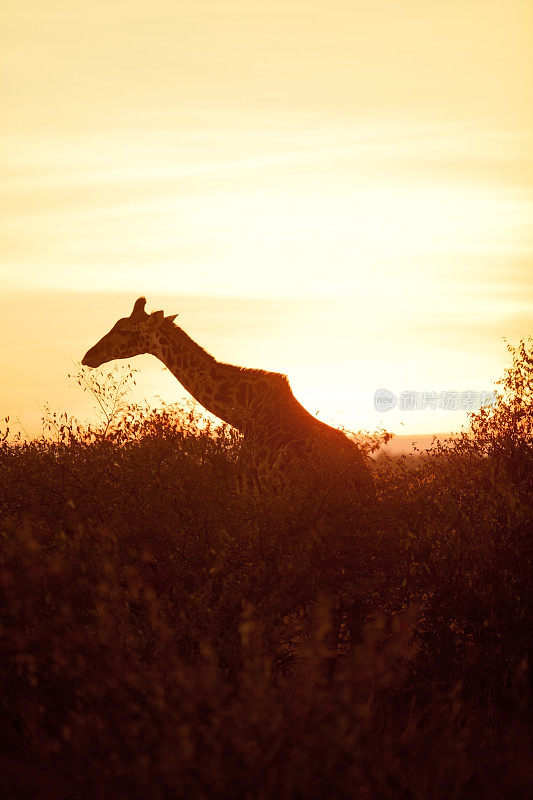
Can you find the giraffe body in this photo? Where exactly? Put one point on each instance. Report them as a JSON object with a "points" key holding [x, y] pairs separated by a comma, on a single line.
{"points": [[284, 445]]}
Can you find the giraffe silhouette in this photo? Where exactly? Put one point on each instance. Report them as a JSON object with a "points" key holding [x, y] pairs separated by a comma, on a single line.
{"points": [[285, 446]]}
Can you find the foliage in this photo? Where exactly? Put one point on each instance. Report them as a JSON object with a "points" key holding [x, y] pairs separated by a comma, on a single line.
{"points": [[167, 634]]}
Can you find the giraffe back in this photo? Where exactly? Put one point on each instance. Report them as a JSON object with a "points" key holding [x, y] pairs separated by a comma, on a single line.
{"points": [[295, 453]]}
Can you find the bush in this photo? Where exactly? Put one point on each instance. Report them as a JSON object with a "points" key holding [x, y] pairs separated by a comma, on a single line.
{"points": [[167, 634]]}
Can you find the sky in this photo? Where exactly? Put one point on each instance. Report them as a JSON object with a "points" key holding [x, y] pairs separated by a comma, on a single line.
{"points": [[340, 191]]}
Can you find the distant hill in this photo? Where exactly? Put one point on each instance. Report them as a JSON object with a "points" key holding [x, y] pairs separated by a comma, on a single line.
{"points": [[406, 443]]}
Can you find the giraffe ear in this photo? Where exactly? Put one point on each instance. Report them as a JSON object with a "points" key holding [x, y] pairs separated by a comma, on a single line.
{"points": [[138, 308], [171, 318], [156, 318]]}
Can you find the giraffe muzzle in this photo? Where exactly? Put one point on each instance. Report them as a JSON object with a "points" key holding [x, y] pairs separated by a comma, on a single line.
{"points": [[90, 359]]}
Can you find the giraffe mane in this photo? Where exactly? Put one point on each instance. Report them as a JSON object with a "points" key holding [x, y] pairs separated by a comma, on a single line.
{"points": [[171, 327]]}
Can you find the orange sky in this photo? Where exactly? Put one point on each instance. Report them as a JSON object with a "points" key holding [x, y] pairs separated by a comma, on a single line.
{"points": [[341, 191]]}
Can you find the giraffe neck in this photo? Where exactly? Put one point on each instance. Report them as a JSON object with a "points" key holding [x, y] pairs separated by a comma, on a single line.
{"points": [[211, 383]]}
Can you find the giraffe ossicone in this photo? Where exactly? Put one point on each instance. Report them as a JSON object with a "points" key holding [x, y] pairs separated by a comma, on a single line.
{"points": [[286, 446]]}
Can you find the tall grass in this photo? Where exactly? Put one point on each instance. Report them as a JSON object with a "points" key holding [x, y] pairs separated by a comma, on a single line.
{"points": [[166, 634]]}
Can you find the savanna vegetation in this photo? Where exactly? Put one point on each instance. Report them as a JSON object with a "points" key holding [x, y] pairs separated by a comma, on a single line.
{"points": [[165, 634]]}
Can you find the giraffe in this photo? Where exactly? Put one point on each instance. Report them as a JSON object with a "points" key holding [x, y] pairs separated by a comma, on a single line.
{"points": [[285, 445]]}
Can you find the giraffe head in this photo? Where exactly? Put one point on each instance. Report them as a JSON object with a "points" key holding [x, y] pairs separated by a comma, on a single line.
{"points": [[128, 337]]}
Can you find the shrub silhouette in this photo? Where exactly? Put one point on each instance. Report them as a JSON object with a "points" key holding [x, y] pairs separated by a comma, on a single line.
{"points": [[167, 634]]}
